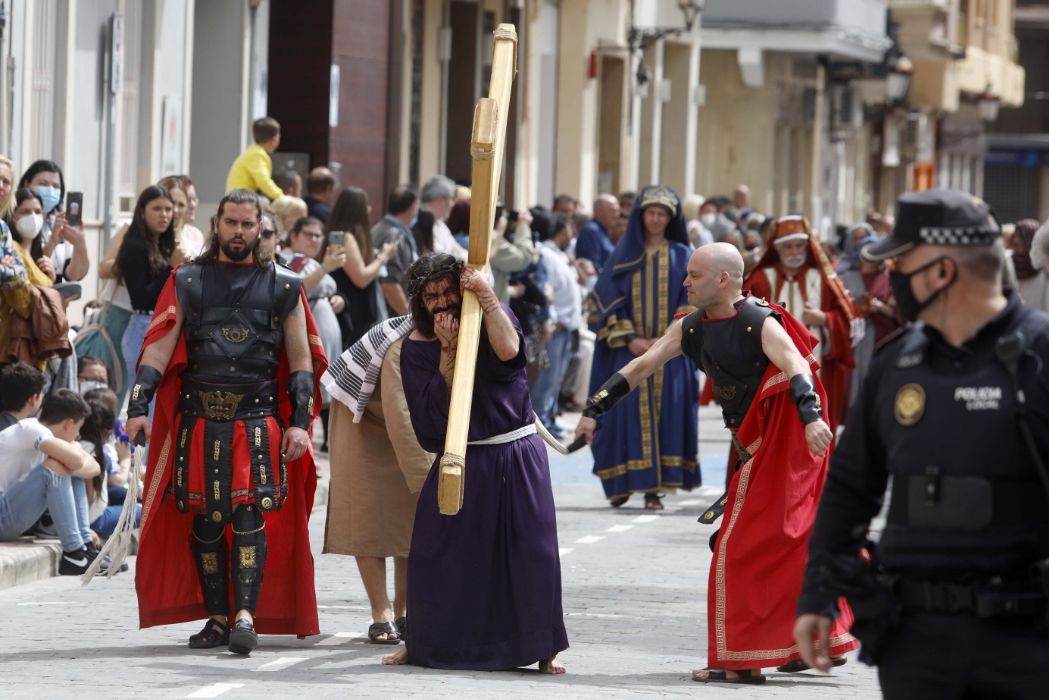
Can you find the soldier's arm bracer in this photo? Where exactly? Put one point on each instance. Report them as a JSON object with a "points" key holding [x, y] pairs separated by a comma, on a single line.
{"points": [[300, 393], [146, 382], [803, 394], [607, 396]]}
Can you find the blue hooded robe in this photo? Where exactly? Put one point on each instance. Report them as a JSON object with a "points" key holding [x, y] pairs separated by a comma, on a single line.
{"points": [[649, 441]]}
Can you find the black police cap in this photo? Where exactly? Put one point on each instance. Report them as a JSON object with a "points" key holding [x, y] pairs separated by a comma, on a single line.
{"points": [[936, 217]]}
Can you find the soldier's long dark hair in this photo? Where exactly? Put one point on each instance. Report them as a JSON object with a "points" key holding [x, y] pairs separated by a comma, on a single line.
{"points": [[429, 268], [159, 247], [241, 196]]}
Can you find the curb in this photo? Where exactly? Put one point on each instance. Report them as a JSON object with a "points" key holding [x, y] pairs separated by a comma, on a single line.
{"points": [[28, 559]]}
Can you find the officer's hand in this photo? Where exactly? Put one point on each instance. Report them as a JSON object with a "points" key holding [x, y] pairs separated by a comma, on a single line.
{"points": [[295, 443], [818, 435], [136, 425], [812, 634], [586, 426]]}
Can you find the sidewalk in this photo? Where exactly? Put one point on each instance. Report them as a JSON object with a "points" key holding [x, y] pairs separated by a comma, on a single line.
{"points": [[30, 559]]}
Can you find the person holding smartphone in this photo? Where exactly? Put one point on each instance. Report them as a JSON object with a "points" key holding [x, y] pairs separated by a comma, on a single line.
{"points": [[303, 255], [356, 279], [60, 240]]}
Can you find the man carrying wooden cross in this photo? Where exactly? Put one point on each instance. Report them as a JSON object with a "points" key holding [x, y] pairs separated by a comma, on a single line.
{"points": [[484, 585]]}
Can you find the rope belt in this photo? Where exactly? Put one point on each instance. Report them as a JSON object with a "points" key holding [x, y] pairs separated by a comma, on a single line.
{"points": [[522, 432]]}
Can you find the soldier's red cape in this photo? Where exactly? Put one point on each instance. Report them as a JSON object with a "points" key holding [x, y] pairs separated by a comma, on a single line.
{"points": [[166, 575], [760, 555]]}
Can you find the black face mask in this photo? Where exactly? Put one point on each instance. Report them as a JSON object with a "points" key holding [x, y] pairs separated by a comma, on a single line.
{"points": [[907, 304]]}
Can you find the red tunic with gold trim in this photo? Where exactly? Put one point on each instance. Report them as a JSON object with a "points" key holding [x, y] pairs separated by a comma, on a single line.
{"points": [[816, 284], [761, 550], [166, 575]]}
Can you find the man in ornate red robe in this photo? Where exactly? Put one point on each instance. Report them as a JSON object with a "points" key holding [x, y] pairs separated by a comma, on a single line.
{"points": [[232, 357], [795, 272]]}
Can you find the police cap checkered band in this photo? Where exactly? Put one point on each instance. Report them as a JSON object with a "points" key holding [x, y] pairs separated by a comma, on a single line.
{"points": [[937, 217]]}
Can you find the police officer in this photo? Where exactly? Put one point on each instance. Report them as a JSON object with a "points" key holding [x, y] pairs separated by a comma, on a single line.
{"points": [[956, 409]]}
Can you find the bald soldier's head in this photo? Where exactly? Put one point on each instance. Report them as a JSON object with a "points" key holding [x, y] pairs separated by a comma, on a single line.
{"points": [[715, 276]]}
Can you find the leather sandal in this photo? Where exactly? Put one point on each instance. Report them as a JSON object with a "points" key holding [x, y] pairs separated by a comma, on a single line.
{"points": [[242, 637], [743, 677], [797, 665], [654, 501], [214, 634], [387, 628]]}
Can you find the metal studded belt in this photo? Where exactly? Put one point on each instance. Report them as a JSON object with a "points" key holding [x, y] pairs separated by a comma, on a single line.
{"points": [[226, 402]]}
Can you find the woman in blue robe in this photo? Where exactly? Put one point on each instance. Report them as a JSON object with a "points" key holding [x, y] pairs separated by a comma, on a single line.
{"points": [[649, 442]]}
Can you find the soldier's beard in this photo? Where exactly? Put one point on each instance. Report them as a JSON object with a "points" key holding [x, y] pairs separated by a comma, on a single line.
{"points": [[234, 254]]}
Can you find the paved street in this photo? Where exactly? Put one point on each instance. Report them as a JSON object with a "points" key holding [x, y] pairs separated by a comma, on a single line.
{"points": [[634, 599]]}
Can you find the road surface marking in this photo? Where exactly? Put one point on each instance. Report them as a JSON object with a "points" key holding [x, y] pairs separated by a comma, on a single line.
{"points": [[692, 502], [337, 638], [282, 663], [564, 550], [590, 539], [645, 518], [620, 528], [214, 690]]}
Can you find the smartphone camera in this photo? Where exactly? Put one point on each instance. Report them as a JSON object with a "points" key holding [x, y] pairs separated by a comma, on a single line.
{"points": [[74, 208]]}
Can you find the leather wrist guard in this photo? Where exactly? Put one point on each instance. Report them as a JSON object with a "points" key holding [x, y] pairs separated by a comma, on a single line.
{"points": [[607, 396], [803, 394], [300, 392], [146, 382]]}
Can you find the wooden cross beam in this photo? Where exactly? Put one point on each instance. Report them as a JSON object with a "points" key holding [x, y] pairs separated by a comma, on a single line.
{"points": [[486, 148]]}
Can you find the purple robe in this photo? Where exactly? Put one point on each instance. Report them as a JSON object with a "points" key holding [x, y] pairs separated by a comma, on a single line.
{"points": [[484, 586]]}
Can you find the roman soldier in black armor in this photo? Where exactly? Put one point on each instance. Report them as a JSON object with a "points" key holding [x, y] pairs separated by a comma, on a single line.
{"points": [[760, 360], [232, 357]]}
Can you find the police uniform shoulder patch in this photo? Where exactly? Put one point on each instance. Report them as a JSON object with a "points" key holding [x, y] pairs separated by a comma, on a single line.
{"points": [[910, 404]]}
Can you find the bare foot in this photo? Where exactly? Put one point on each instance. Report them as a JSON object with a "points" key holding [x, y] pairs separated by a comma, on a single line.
{"points": [[398, 658], [551, 666]]}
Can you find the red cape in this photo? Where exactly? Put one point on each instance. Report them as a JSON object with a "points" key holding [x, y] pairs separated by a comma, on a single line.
{"points": [[759, 559], [166, 574]]}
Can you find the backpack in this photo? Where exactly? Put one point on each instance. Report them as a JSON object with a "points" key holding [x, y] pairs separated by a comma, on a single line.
{"points": [[44, 335]]}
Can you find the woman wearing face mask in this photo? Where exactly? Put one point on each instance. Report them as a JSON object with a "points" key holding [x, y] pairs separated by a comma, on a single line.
{"points": [[144, 262], [26, 221], [64, 244]]}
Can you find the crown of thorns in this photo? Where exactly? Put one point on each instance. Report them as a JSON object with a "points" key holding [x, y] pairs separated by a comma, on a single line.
{"points": [[423, 271]]}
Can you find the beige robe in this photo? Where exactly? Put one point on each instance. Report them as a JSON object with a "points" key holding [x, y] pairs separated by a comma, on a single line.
{"points": [[377, 471]]}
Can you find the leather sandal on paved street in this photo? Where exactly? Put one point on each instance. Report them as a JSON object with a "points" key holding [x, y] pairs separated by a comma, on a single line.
{"points": [[797, 665], [653, 501], [242, 637], [618, 500], [214, 634], [745, 677], [387, 628]]}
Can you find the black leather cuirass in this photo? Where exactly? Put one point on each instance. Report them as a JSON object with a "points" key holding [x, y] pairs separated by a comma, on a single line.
{"points": [[234, 319], [729, 351]]}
